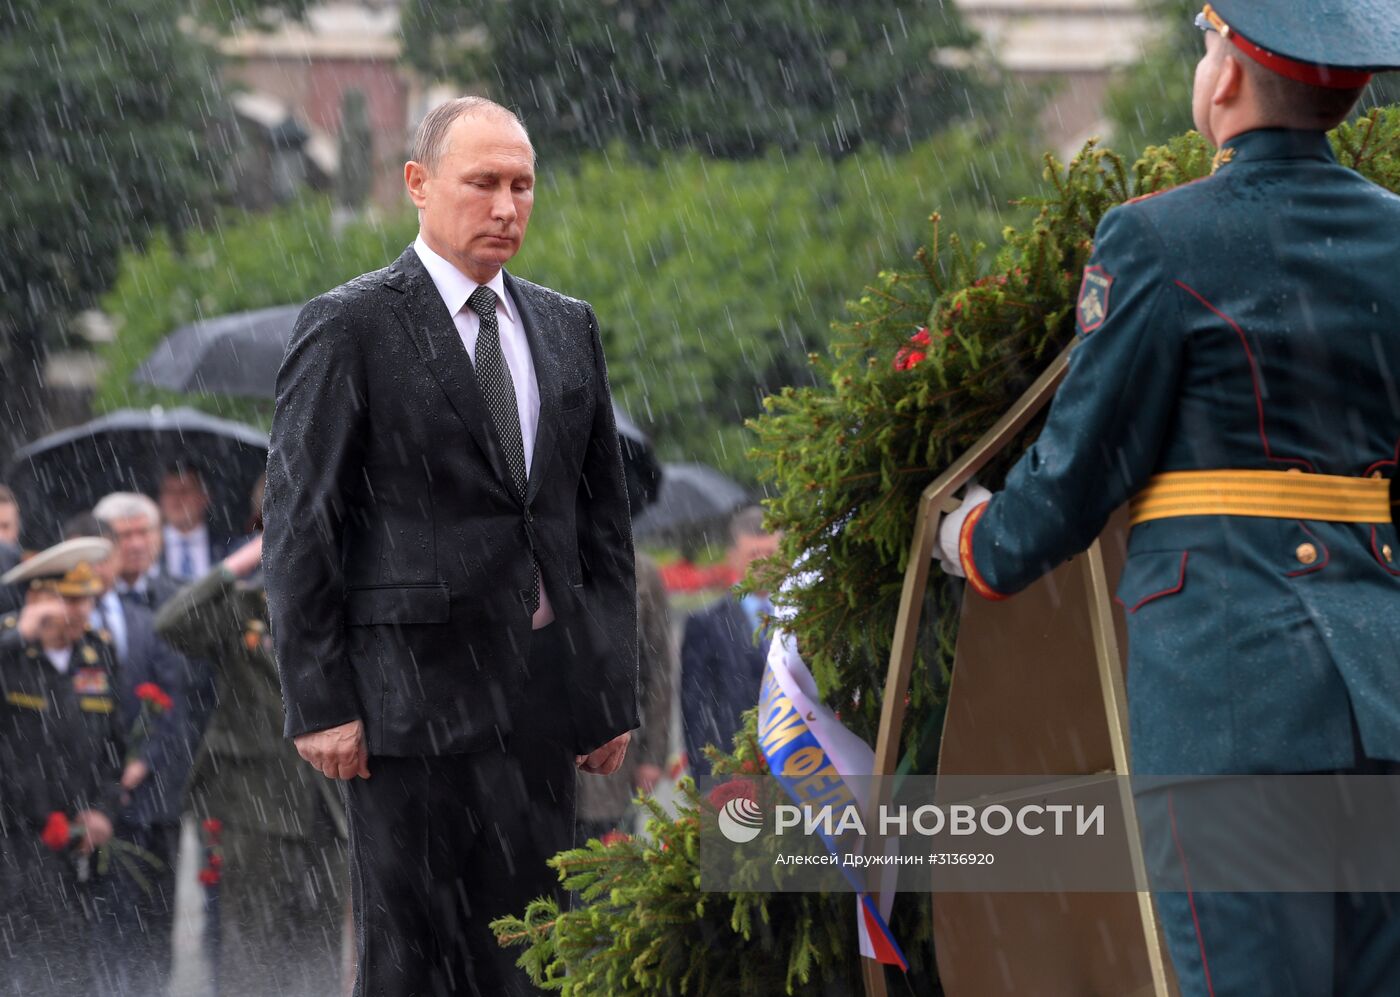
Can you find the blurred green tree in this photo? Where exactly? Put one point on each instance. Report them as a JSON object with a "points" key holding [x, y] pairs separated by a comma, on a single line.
{"points": [[1151, 100], [356, 175], [729, 79], [712, 279], [103, 116]]}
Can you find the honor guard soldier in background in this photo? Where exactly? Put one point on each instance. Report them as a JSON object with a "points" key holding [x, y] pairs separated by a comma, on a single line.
{"points": [[61, 754], [283, 892], [1234, 379]]}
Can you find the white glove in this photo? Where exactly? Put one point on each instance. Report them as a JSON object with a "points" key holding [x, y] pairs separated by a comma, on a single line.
{"points": [[945, 552]]}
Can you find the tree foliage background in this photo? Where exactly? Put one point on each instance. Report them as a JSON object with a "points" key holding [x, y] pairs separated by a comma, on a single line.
{"points": [[103, 140], [712, 279], [1151, 99], [728, 78]]}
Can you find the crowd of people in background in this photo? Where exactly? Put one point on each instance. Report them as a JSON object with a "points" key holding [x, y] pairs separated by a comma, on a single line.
{"points": [[182, 616]]}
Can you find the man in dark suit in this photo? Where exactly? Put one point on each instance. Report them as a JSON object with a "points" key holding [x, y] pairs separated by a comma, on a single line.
{"points": [[449, 566], [9, 517], [11, 596], [724, 649], [133, 521], [190, 548]]}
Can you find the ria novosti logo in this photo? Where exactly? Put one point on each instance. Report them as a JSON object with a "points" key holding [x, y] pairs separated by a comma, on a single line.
{"points": [[741, 820]]}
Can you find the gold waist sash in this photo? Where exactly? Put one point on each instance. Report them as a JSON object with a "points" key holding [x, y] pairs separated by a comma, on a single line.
{"points": [[1328, 498]]}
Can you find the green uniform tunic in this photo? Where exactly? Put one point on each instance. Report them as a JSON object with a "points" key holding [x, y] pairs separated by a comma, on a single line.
{"points": [[283, 888]]}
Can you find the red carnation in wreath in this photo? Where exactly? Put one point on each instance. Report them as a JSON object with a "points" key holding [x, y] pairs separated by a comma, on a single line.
{"points": [[914, 354], [734, 789]]}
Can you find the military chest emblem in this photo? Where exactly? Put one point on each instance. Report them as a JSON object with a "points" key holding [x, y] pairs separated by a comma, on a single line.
{"points": [[91, 682], [1093, 299]]}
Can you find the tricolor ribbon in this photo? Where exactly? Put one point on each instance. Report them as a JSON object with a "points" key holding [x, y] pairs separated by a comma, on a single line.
{"points": [[810, 753]]}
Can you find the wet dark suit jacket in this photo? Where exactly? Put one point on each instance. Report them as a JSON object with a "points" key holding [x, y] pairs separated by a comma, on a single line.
{"points": [[397, 551]]}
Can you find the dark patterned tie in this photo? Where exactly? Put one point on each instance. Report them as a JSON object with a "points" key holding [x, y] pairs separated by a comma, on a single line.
{"points": [[499, 392]]}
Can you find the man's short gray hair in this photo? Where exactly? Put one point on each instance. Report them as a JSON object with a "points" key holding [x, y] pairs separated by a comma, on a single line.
{"points": [[127, 505], [430, 141]]}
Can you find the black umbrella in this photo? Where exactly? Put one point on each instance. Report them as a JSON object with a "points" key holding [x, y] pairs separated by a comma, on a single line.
{"points": [[234, 354], [692, 498], [639, 463], [65, 473]]}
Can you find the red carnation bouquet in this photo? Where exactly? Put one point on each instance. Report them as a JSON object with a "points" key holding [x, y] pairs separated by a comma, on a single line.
{"points": [[64, 836], [213, 870], [155, 703]]}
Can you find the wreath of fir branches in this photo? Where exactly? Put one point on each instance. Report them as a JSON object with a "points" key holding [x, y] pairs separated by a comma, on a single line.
{"points": [[929, 359], [847, 460]]}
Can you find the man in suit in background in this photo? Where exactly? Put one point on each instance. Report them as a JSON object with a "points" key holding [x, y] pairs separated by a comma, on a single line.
{"points": [[190, 549], [605, 803], [1232, 382], [449, 566], [725, 647], [133, 520], [9, 517], [11, 596]]}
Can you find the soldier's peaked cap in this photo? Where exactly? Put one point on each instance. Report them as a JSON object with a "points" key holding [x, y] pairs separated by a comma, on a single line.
{"points": [[65, 568], [1328, 43]]}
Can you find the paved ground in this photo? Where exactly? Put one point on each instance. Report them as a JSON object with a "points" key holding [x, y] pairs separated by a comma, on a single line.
{"points": [[191, 976]]}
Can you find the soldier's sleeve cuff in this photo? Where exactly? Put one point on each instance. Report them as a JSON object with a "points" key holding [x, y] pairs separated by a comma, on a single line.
{"points": [[969, 564]]}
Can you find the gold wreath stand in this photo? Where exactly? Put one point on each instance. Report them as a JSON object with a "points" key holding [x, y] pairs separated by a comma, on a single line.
{"points": [[1037, 688]]}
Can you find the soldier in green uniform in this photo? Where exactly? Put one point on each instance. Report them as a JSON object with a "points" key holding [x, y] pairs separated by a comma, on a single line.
{"points": [[62, 742], [1233, 380], [283, 888]]}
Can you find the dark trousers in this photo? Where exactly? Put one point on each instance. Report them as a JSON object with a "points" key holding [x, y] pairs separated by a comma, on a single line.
{"points": [[280, 914], [49, 922], [441, 846], [136, 934], [1284, 944]]}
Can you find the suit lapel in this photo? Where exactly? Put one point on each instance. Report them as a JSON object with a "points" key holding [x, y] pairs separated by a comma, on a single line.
{"points": [[543, 353], [428, 324]]}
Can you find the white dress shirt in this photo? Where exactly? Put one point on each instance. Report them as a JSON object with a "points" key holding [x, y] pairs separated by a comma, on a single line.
{"points": [[60, 659], [198, 542], [110, 614], [455, 288]]}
